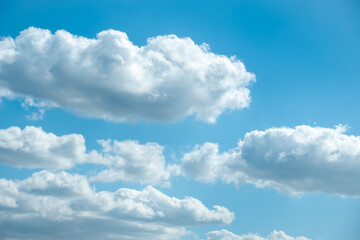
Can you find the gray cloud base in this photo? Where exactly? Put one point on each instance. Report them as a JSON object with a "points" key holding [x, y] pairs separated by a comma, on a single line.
{"points": [[111, 78]]}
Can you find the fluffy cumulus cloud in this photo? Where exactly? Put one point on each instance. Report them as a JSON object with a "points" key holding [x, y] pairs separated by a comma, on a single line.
{"points": [[226, 235], [32, 147], [134, 162], [64, 206], [127, 160], [109, 77], [292, 160], [205, 163]]}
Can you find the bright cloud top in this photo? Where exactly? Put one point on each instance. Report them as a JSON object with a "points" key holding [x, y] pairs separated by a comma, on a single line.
{"points": [[109, 77], [66, 205], [226, 235], [292, 160]]}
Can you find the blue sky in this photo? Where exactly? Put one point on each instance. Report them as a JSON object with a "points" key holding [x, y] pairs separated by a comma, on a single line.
{"points": [[294, 171]]}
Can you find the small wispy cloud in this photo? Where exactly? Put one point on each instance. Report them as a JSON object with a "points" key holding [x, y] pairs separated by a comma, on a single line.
{"points": [[227, 235]]}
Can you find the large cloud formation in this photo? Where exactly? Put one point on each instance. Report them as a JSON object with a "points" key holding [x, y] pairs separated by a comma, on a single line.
{"points": [[64, 206], [127, 160], [109, 77], [226, 235], [292, 160]]}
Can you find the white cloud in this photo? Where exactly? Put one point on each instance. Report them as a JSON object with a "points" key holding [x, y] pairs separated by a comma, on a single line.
{"points": [[34, 148], [292, 160], [205, 163], [130, 161], [109, 77], [40, 106], [5, 93], [64, 206], [226, 235], [127, 160]]}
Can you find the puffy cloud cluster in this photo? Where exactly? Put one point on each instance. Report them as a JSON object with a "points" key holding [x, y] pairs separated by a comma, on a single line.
{"points": [[292, 160], [226, 235], [64, 206], [109, 77], [127, 160], [304, 159], [34, 148], [130, 161], [205, 163]]}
